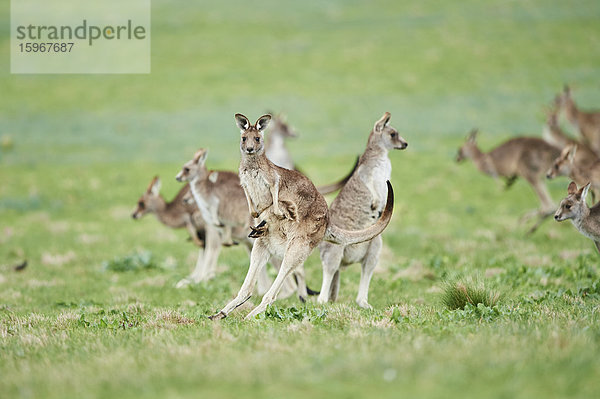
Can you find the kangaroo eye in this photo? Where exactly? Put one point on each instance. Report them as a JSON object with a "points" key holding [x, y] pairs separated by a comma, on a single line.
{"points": [[568, 206], [186, 170], [257, 139], [393, 135], [244, 139], [141, 204]]}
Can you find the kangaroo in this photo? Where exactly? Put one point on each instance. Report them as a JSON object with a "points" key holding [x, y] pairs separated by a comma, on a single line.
{"points": [[294, 216], [584, 157], [588, 123], [357, 206], [277, 152], [175, 214], [566, 165], [524, 157], [222, 203], [275, 148], [585, 219]]}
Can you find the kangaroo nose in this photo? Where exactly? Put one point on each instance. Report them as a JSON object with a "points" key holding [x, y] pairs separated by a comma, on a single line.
{"points": [[249, 150], [555, 217]]}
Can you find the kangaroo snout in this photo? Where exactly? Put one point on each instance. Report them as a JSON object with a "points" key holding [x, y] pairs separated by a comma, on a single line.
{"points": [[179, 177], [249, 150], [402, 145]]}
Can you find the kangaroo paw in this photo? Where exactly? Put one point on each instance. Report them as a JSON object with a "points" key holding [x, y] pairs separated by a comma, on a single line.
{"points": [[259, 230]]}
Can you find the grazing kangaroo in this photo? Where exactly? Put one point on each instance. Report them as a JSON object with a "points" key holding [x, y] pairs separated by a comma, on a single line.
{"points": [[588, 123], [175, 214], [525, 157], [294, 216], [567, 165], [222, 203], [585, 219], [357, 206]]}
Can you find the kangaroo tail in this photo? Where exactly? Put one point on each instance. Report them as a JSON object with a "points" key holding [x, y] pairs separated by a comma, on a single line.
{"points": [[331, 188], [341, 236]]}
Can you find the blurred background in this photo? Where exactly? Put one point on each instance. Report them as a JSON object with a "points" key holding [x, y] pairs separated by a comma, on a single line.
{"points": [[76, 152], [439, 67]]}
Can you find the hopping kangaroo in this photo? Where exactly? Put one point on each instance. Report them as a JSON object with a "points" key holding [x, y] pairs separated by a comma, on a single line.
{"points": [[584, 157], [567, 165], [294, 216], [524, 157], [588, 123], [357, 206], [175, 214], [222, 203], [585, 219]]}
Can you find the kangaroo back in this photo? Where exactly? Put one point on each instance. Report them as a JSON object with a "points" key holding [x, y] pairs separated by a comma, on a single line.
{"points": [[341, 236]]}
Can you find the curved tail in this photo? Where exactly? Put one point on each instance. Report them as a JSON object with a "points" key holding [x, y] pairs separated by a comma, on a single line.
{"points": [[331, 188], [341, 236]]}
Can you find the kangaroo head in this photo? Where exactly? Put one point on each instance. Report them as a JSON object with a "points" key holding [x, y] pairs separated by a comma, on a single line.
{"points": [[563, 165], [387, 135], [195, 167], [279, 126], [573, 205], [149, 201], [467, 150], [252, 141]]}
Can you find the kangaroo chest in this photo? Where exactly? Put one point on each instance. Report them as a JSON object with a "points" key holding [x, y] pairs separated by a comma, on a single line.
{"points": [[375, 174], [256, 187], [203, 202]]}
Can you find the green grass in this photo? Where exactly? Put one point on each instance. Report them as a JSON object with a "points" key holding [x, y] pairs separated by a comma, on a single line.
{"points": [[461, 293], [78, 150]]}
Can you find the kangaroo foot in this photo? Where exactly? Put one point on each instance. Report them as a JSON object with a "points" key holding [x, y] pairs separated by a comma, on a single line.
{"points": [[217, 316]]}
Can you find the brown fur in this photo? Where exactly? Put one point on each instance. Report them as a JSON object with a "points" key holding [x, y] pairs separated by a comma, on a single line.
{"points": [[175, 214], [295, 215], [588, 123], [526, 157], [585, 219], [358, 206]]}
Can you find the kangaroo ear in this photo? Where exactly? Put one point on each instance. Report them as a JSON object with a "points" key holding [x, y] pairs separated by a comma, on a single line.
{"points": [[584, 191], [154, 186], [572, 189], [200, 155], [262, 122], [383, 122], [473, 135], [572, 152], [242, 122]]}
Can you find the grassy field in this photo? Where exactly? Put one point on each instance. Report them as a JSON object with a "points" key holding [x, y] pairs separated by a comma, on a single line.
{"points": [[78, 150]]}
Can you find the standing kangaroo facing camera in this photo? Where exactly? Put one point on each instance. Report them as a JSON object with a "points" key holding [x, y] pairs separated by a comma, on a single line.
{"points": [[584, 218], [222, 203], [294, 216], [357, 206]]}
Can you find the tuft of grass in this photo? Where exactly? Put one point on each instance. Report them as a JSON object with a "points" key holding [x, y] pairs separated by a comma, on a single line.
{"points": [[133, 262], [463, 292]]}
